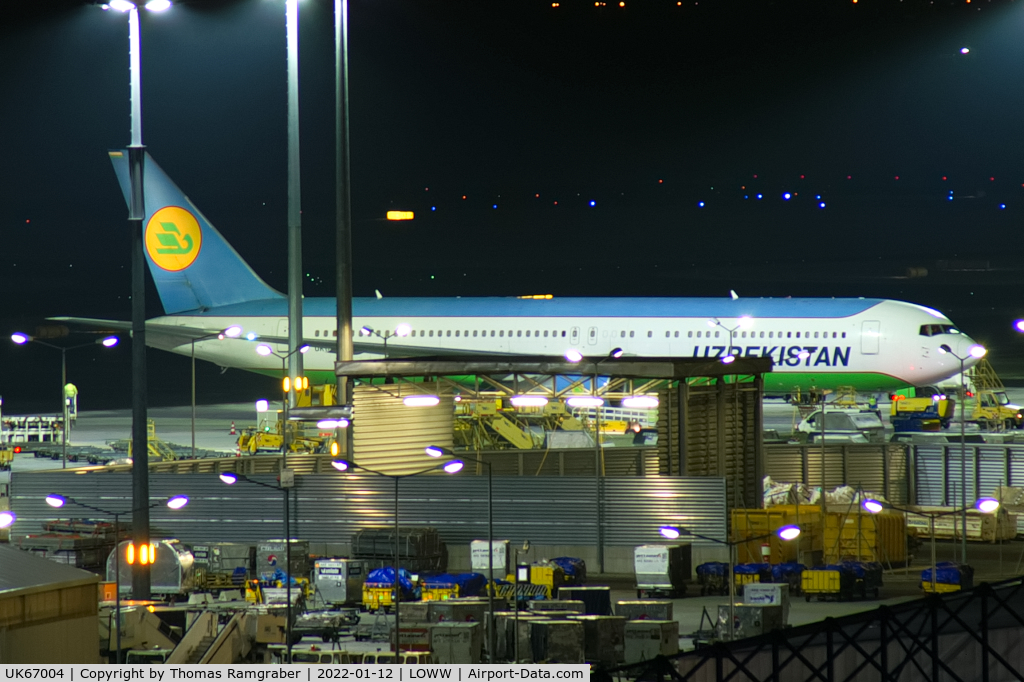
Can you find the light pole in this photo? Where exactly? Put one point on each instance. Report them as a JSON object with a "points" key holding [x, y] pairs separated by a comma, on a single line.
{"points": [[451, 467], [401, 330], [287, 480], [265, 350], [977, 352], [136, 218], [107, 342], [784, 533], [231, 332], [985, 505], [176, 502], [438, 451]]}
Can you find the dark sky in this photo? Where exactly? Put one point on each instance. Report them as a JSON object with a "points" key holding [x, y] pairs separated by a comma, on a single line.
{"points": [[647, 110]]}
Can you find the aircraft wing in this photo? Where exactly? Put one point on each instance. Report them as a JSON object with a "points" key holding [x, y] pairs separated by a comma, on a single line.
{"points": [[169, 336]]}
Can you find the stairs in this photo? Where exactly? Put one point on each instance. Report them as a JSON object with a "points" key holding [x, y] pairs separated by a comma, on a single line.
{"points": [[201, 648]]}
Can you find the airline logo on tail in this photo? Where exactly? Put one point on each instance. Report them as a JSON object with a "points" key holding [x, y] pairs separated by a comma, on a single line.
{"points": [[173, 238]]}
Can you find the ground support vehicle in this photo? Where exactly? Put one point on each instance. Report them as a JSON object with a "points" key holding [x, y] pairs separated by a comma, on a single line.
{"points": [[949, 577], [842, 581], [662, 570], [713, 577], [921, 414], [789, 573], [744, 574]]}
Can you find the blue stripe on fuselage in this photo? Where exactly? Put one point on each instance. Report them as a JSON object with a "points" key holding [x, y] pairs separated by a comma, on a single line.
{"points": [[823, 308]]}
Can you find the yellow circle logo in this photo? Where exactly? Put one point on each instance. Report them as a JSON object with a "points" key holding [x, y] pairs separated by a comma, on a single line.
{"points": [[173, 238]]}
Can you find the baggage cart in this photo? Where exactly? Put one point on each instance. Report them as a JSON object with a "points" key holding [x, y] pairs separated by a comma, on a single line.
{"points": [[713, 577]]}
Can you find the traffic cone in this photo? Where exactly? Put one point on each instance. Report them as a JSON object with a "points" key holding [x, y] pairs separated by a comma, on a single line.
{"points": [[233, 433]]}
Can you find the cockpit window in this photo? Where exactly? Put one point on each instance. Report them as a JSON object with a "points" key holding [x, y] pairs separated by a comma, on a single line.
{"points": [[936, 329]]}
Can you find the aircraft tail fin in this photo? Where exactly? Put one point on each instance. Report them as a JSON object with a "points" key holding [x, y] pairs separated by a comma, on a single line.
{"points": [[192, 264]]}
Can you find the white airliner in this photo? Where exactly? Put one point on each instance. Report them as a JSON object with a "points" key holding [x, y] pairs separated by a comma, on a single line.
{"points": [[205, 286]]}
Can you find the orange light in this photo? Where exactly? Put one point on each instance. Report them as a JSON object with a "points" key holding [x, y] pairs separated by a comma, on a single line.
{"points": [[400, 215], [17, 449], [129, 553], [622, 4], [286, 384]]}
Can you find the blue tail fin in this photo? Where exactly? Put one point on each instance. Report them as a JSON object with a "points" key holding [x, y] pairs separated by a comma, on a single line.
{"points": [[193, 266]]}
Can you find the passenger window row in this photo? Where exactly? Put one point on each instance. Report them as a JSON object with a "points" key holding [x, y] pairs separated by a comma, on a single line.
{"points": [[926, 330]]}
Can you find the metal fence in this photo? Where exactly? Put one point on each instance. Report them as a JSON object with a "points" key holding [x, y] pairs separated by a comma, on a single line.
{"points": [[959, 637]]}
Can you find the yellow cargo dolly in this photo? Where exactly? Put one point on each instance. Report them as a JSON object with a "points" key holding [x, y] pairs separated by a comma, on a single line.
{"points": [[440, 593], [823, 583], [377, 596], [940, 588], [742, 579]]}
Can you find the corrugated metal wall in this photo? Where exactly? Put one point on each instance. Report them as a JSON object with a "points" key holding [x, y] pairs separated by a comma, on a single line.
{"points": [[391, 437], [877, 468], [331, 507]]}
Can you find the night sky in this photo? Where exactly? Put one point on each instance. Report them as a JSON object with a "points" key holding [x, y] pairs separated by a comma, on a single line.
{"points": [[571, 149]]}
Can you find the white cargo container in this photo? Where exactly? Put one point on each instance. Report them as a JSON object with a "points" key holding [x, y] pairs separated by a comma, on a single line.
{"points": [[456, 642], [339, 581], [501, 558], [645, 639], [768, 594], [662, 569]]}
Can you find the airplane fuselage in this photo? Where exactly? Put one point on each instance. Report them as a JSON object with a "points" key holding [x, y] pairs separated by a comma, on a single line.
{"points": [[871, 344]]}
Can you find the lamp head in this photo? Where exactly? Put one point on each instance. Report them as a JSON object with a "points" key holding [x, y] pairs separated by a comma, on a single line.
{"points": [[573, 355], [7, 518], [714, 322], [672, 532], [789, 532], [365, 330], [986, 505], [745, 322], [872, 506], [109, 342], [264, 350], [232, 332], [615, 353], [20, 338], [977, 351], [729, 359], [453, 467], [158, 5], [229, 477], [403, 330], [304, 349], [420, 400], [177, 502], [120, 5], [1019, 325], [944, 348], [340, 464], [437, 451], [55, 500]]}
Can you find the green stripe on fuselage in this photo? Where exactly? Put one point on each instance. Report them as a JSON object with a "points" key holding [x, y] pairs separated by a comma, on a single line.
{"points": [[785, 382]]}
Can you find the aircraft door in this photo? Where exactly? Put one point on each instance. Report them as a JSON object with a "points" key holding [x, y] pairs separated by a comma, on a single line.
{"points": [[574, 336], [592, 336], [870, 335]]}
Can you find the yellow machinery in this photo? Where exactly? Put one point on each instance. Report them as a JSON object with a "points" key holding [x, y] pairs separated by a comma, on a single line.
{"points": [[992, 407], [378, 596], [252, 440], [932, 413], [159, 451], [824, 583], [6, 459], [489, 424]]}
